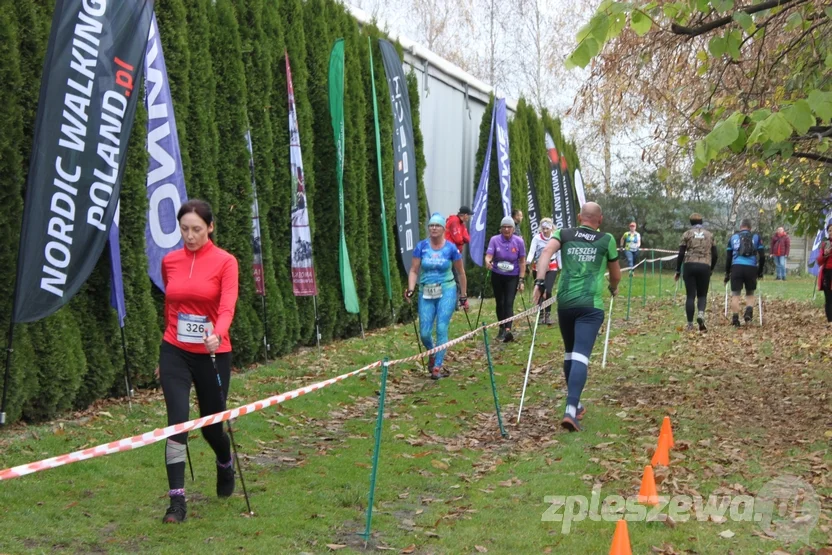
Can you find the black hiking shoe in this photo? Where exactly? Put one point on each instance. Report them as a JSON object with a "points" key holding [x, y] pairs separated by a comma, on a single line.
{"points": [[225, 481], [177, 510], [701, 321], [735, 321], [501, 335], [509, 337], [749, 314]]}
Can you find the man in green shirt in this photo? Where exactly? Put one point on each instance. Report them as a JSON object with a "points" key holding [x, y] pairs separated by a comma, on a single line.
{"points": [[586, 254]]}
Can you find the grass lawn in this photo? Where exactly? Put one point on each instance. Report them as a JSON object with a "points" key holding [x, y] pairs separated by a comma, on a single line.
{"points": [[747, 405]]}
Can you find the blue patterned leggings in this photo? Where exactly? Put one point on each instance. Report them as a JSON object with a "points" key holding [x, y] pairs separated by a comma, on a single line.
{"points": [[441, 310]]}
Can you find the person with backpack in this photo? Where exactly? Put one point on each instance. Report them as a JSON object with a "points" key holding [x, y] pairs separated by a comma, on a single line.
{"points": [[744, 265], [697, 258]]}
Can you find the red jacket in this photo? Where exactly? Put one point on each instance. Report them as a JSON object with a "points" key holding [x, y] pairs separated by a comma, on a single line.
{"points": [[456, 232], [202, 283], [780, 245]]}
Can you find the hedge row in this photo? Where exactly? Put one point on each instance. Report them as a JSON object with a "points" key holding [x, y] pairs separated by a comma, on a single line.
{"points": [[226, 67]]}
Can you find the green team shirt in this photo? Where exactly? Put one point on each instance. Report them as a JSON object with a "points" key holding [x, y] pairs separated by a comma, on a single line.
{"points": [[585, 253]]}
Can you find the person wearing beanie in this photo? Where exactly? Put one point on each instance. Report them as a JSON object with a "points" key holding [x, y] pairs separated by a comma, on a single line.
{"points": [[505, 258], [539, 242], [697, 259], [433, 259]]}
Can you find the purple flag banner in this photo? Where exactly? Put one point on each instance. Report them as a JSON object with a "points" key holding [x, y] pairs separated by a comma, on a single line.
{"points": [[165, 178], [477, 245], [116, 285], [503, 162]]}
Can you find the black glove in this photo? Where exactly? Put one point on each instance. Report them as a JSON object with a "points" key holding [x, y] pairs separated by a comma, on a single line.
{"points": [[727, 278]]}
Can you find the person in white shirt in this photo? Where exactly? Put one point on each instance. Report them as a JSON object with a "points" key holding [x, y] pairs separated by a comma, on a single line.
{"points": [[539, 242]]}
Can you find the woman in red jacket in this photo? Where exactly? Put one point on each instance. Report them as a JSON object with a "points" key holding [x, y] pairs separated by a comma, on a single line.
{"points": [[201, 283], [825, 271]]}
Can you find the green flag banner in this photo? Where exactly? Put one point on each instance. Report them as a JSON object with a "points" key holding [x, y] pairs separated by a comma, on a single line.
{"points": [[385, 256], [336, 109]]}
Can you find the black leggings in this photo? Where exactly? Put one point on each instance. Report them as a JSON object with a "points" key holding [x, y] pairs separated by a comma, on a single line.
{"points": [[826, 285], [697, 279], [177, 370], [505, 289]]}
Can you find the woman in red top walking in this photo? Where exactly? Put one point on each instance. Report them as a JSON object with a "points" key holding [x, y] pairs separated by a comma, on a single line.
{"points": [[825, 271], [201, 284]]}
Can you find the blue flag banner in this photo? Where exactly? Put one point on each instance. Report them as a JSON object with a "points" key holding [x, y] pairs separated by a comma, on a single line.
{"points": [[165, 178], [116, 285], [503, 162], [477, 245]]}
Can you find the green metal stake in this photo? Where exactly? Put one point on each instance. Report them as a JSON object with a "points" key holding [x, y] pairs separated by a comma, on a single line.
{"points": [[652, 263], [629, 296], [493, 384], [644, 303], [379, 421]]}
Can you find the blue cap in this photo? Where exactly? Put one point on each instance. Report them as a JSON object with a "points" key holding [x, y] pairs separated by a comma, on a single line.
{"points": [[437, 219]]}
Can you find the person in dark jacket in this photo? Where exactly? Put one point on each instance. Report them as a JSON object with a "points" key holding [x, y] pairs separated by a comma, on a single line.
{"points": [[697, 258]]}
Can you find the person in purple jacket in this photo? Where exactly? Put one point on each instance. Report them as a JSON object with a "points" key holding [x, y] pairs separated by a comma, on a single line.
{"points": [[505, 258]]}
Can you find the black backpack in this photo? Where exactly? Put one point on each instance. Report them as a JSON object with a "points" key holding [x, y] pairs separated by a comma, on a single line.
{"points": [[747, 248]]}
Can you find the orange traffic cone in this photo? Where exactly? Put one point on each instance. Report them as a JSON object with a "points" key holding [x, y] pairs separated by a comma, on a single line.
{"points": [[621, 540], [662, 454], [668, 431], [647, 495]]}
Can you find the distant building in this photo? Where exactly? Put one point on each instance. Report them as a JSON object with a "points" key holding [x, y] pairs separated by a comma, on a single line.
{"points": [[452, 103]]}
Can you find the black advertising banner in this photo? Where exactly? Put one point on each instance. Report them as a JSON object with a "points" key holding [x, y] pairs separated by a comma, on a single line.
{"points": [[404, 155], [88, 97], [533, 206], [568, 197], [558, 200]]}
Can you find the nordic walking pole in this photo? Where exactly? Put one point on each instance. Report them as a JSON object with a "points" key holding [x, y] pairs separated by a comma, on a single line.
{"points": [[317, 323], [726, 300], [127, 382], [482, 293], [470, 327], [681, 271], [529, 364], [418, 339], [230, 430], [760, 304], [607, 340], [524, 310]]}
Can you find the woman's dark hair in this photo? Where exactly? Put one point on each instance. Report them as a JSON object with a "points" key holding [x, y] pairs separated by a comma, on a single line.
{"points": [[201, 209]]}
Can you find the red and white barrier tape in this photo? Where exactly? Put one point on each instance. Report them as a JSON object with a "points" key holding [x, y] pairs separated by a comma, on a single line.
{"points": [[159, 434]]}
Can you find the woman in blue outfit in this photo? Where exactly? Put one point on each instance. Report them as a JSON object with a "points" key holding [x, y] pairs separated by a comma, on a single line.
{"points": [[433, 259]]}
